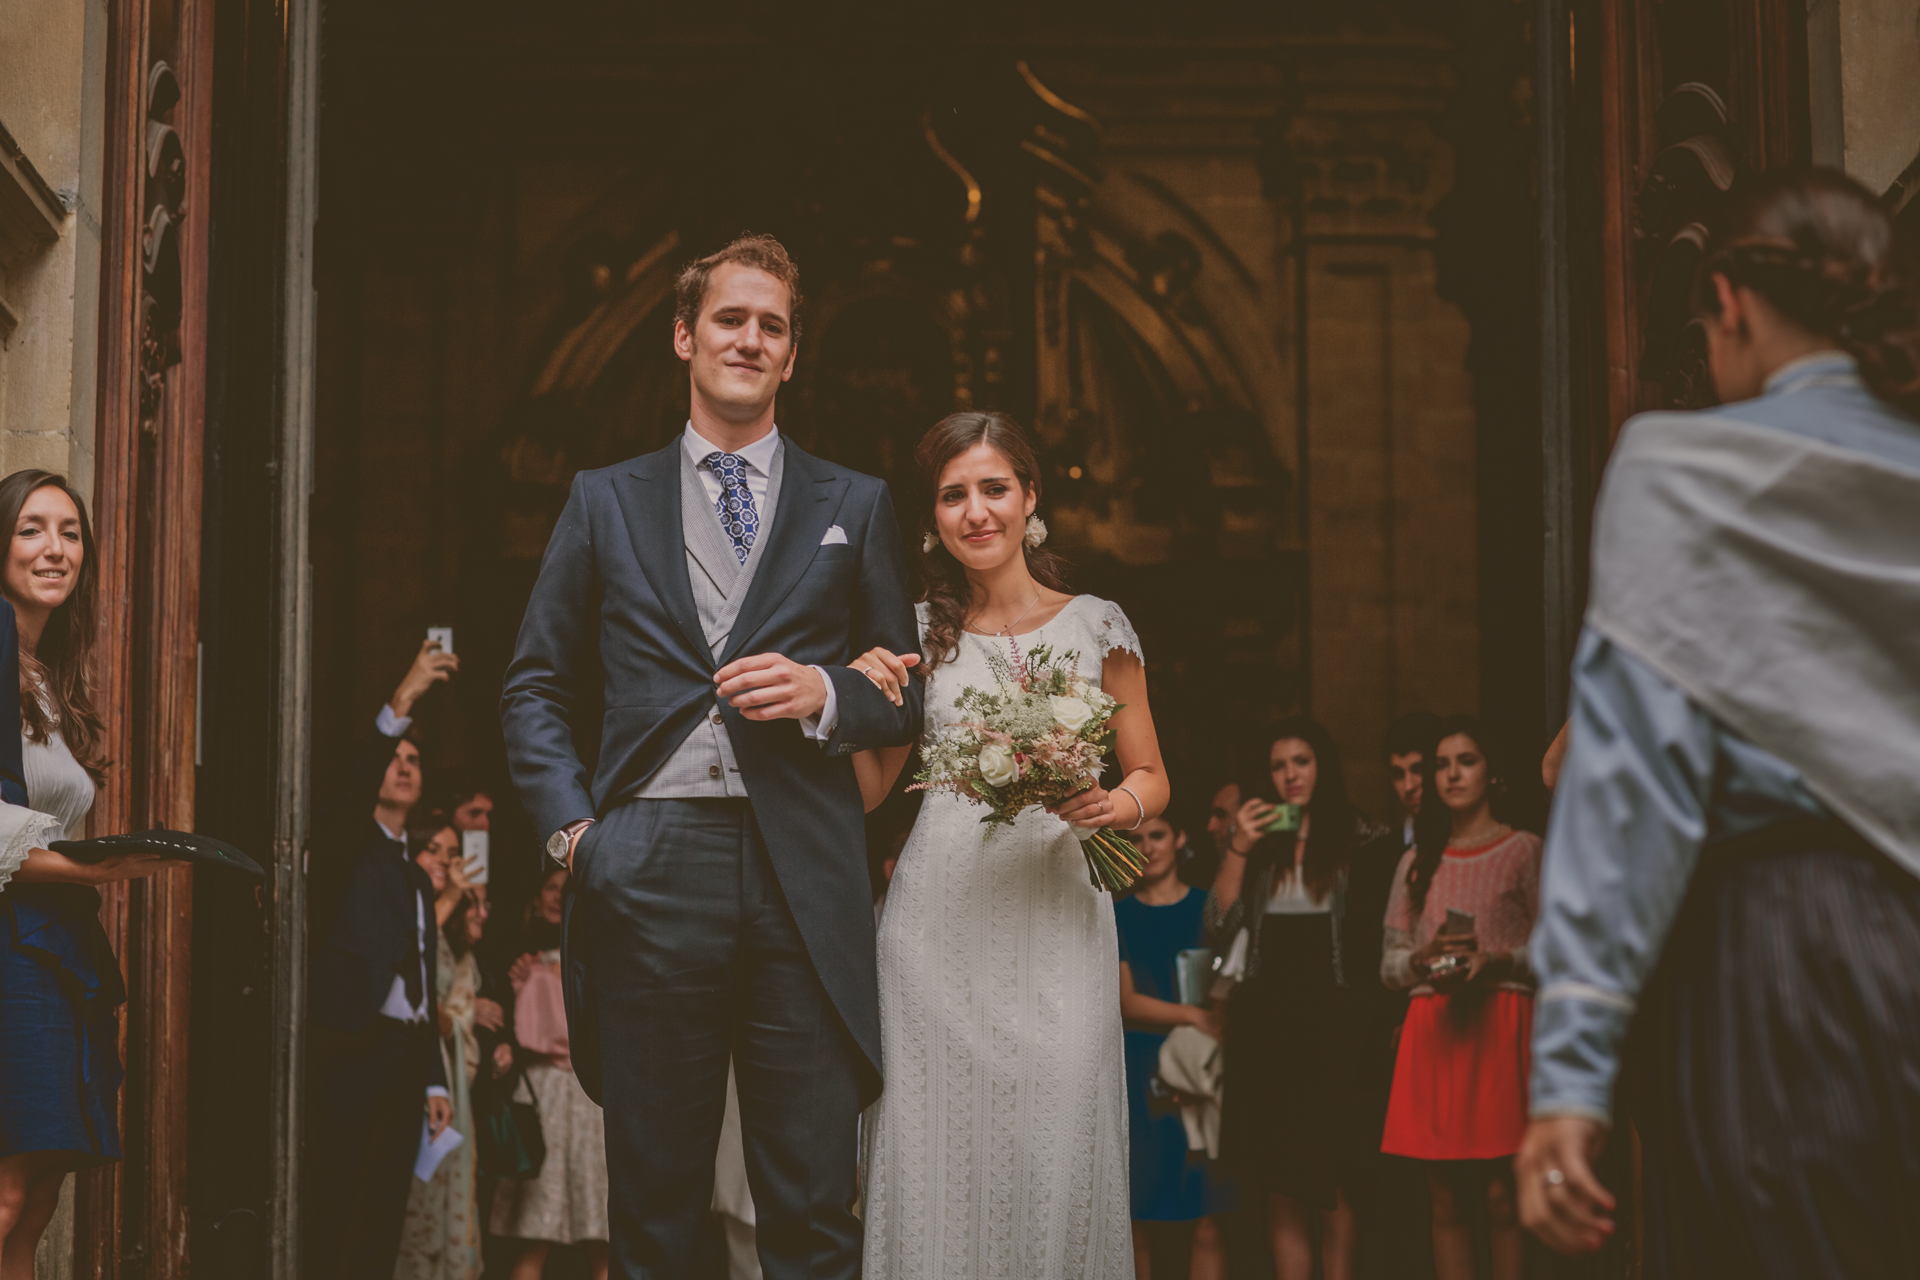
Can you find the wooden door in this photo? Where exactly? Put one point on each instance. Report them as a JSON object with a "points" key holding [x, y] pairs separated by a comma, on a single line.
{"points": [[131, 1218], [1694, 95]]}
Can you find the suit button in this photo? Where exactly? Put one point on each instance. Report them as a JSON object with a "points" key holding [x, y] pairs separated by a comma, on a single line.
{"points": [[713, 771], [716, 717]]}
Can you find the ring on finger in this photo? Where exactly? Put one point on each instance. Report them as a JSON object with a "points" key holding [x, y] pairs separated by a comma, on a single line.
{"points": [[1553, 1178]]}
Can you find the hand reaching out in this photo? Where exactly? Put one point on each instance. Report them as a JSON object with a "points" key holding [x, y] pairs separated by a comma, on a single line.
{"points": [[1561, 1200], [430, 666], [488, 1014]]}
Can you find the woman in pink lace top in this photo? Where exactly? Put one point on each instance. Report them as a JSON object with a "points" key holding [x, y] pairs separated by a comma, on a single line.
{"points": [[1460, 1083]]}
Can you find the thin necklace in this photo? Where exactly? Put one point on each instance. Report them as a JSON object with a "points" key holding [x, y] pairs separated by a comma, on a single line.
{"points": [[1008, 629]]}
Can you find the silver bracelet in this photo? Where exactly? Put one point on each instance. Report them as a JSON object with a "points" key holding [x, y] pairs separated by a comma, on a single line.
{"points": [[1138, 807]]}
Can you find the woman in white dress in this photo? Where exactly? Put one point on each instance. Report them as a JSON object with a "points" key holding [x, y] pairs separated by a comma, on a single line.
{"points": [[999, 1145]]}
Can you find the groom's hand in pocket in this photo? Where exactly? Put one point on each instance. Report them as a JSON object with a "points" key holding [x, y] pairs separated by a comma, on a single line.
{"points": [[770, 687]]}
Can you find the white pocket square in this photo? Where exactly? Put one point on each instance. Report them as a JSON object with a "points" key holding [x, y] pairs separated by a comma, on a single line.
{"points": [[836, 537]]}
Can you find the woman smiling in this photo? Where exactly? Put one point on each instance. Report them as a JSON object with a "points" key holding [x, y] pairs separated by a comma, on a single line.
{"points": [[60, 984]]}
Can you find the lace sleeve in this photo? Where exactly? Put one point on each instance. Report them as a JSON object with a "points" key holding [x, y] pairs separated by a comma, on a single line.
{"points": [[22, 830], [1114, 634]]}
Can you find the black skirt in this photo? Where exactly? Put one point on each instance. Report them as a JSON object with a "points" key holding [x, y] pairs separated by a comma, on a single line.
{"points": [[1779, 1059], [1288, 1123]]}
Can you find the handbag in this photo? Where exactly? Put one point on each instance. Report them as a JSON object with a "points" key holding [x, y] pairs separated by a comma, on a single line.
{"points": [[511, 1143]]}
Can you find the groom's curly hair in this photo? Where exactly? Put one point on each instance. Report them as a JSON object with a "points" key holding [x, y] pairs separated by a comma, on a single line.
{"points": [[752, 249]]}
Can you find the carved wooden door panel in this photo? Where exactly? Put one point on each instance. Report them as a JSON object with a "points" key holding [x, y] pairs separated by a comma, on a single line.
{"points": [[1695, 94], [131, 1218]]}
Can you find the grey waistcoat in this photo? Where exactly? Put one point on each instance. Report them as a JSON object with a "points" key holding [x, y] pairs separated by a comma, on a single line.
{"points": [[704, 764]]}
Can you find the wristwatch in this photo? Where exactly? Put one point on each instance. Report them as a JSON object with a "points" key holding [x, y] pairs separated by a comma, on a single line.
{"points": [[560, 841]]}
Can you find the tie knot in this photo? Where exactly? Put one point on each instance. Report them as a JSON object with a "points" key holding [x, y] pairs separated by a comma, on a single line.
{"points": [[728, 466]]}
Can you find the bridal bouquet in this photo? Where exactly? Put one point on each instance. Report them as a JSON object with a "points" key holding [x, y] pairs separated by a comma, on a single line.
{"points": [[1037, 737]]}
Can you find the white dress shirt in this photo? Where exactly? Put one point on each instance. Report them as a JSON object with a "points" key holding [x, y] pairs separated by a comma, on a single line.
{"points": [[758, 458]]}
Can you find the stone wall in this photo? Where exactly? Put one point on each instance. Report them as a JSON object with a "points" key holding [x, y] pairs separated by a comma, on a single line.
{"points": [[52, 103]]}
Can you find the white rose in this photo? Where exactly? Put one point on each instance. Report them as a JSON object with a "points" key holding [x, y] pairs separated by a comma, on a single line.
{"points": [[1078, 687], [1071, 713], [997, 765]]}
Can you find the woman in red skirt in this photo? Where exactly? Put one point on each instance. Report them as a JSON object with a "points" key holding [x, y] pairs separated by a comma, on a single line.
{"points": [[1457, 926]]}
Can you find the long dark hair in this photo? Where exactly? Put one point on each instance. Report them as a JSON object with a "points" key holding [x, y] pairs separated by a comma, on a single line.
{"points": [[949, 595], [60, 669], [1822, 250], [1330, 831], [455, 929], [1433, 825]]}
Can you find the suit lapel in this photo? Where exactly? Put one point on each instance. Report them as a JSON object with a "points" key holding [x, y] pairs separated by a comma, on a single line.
{"points": [[810, 495], [649, 497]]}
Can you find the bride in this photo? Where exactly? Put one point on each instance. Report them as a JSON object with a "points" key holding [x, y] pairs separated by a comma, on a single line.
{"points": [[999, 1147]]}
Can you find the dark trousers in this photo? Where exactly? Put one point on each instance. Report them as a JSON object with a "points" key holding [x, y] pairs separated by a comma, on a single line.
{"points": [[1780, 1096], [693, 957], [366, 1098]]}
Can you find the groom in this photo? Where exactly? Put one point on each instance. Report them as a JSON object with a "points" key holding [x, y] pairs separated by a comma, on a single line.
{"points": [[680, 722]]}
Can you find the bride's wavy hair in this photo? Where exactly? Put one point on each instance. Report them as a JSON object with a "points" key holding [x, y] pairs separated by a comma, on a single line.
{"points": [[61, 668], [1820, 248], [948, 593]]}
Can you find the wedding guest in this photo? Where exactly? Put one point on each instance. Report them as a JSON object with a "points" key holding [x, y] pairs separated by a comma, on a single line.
{"points": [[441, 1239], [1393, 1230], [1290, 1128], [1220, 816], [1459, 1097], [1409, 738], [436, 845], [1176, 1201], [566, 1203], [1733, 861], [60, 983], [374, 1062]]}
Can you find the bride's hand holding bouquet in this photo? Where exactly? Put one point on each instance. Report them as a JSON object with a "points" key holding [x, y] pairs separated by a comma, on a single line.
{"points": [[1038, 737]]}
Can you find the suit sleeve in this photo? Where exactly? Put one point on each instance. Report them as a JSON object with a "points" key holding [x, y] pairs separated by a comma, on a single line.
{"points": [[882, 615], [13, 778], [554, 664]]}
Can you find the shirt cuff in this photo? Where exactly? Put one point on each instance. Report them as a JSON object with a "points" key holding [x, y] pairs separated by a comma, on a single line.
{"points": [[819, 728], [1576, 1051], [436, 1091], [390, 724]]}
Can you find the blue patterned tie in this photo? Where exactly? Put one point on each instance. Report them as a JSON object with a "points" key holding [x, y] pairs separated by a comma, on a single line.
{"points": [[735, 507]]}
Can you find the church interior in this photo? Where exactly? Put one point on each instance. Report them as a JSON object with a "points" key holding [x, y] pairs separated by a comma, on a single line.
{"points": [[1260, 284], [1260, 279]]}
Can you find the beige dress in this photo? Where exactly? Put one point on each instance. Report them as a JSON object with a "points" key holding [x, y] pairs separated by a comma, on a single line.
{"points": [[441, 1240], [567, 1202]]}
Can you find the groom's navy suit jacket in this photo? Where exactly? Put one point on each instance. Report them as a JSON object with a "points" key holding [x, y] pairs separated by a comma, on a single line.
{"points": [[611, 672]]}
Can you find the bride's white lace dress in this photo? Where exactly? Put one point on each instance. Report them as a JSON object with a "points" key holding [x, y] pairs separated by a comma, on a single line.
{"points": [[999, 1146]]}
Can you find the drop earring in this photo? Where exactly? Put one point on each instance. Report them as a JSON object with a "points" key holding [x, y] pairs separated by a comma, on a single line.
{"points": [[1036, 532], [928, 543]]}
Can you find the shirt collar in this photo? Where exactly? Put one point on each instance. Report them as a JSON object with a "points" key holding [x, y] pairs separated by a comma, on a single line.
{"points": [[1820, 368], [758, 455]]}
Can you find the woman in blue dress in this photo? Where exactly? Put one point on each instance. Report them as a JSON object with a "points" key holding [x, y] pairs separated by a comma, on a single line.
{"points": [[60, 984], [1157, 922]]}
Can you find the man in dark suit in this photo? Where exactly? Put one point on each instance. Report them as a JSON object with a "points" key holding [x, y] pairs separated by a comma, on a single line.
{"points": [[699, 604], [374, 1060], [1395, 1229]]}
